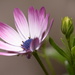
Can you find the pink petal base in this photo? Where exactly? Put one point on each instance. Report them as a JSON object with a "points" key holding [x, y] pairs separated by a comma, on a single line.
{"points": [[34, 44]]}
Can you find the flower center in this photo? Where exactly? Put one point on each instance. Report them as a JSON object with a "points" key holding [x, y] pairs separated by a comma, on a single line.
{"points": [[26, 44]]}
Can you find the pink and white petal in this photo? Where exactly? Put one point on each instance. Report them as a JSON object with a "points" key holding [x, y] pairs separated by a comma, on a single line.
{"points": [[8, 54], [22, 52], [42, 13], [51, 22], [31, 20], [34, 44], [9, 35], [21, 22], [44, 26], [38, 47], [9, 47], [37, 25], [21, 35], [34, 22], [40, 21], [45, 23], [39, 17]]}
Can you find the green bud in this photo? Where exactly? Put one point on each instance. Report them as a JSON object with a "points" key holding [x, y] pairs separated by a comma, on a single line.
{"points": [[67, 26]]}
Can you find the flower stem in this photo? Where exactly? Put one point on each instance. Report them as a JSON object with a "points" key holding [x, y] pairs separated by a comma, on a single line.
{"points": [[39, 61], [71, 64]]}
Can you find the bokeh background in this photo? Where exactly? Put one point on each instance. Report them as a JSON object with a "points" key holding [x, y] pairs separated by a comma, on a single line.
{"points": [[58, 9]]}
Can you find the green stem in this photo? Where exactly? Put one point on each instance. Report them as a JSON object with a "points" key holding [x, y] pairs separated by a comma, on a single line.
{"points": [[71, 65], [39, 61], [50, 65]]}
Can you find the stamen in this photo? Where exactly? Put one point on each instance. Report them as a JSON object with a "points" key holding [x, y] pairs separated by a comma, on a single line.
{"points": [[26, 44]]}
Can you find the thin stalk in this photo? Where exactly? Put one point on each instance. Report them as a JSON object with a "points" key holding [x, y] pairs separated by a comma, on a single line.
{"points": [[71, 65], [40, 62]]}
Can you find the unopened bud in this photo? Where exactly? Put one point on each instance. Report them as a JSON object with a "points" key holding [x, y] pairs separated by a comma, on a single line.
{"points": [[67, 26]]}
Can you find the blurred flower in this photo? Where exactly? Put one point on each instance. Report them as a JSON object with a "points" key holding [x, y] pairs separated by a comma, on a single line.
{"points": [[67, 26], [30, 33]]}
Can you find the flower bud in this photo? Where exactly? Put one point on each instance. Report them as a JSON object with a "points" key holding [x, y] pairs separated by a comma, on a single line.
{"points": [[67, 26]]}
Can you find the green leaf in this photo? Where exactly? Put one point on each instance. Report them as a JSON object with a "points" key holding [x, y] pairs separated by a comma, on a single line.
{"points": [[73, 42], [59, 50], [73, 54], [73, 51], [52, 53]]}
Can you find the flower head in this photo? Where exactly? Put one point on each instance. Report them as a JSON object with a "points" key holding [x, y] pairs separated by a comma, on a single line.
{"points": [[30, 33]]}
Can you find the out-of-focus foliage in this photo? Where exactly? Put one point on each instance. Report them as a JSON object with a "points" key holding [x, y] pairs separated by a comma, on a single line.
{"points": [[52, 53], [56, 47]]}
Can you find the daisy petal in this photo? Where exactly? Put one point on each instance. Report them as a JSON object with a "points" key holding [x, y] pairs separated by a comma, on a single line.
{"points": [[31, 19], [39, 17], [8, 54], [42, 13], [45, 23], [44, 36], [34, 44], [9, 47], [34, 22], [21, 23], [36, 25], [9, 35], [44, 26]]}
